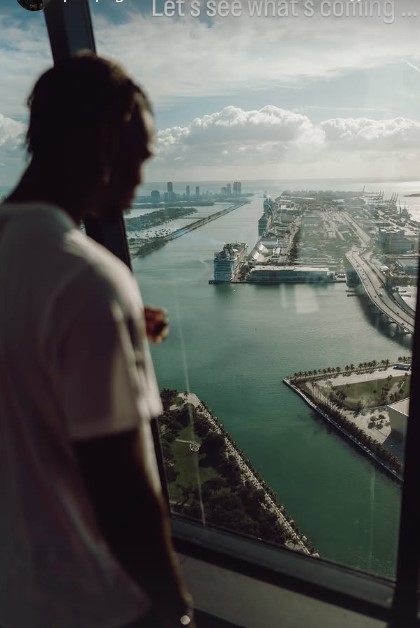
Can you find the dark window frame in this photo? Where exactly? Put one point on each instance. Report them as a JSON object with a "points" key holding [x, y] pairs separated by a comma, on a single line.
{"points": [[70, 30]]}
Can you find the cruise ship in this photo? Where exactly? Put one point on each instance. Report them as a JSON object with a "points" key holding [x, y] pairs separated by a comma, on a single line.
{"points": [[228, 261]]}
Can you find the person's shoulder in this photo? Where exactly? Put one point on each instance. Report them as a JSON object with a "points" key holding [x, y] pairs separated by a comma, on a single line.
{"points": [[39, 221], [100, 263], [99, 275], [72, 265]]}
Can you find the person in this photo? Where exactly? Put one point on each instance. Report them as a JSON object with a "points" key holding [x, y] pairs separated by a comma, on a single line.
{"points": [[84, 532], [33, 5]]}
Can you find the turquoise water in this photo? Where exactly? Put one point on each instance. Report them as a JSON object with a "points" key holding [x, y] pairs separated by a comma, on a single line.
{"points": [[233, 344]]}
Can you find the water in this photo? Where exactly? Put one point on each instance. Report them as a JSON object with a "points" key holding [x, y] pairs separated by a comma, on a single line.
{"points": [[233, 344]]}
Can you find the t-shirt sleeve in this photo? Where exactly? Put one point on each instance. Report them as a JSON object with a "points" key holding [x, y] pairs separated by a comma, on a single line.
{"points": [[100, 362]]}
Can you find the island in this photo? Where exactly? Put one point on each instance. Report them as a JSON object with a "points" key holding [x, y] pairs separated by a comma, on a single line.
{"points": [[211, 480], [367, 404]]}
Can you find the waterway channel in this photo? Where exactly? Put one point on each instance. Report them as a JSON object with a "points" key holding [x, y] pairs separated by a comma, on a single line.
{"points": [[233, 344]]}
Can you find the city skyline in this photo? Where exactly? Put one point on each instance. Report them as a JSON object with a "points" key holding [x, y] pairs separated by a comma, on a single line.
{"points": [[299, 97]]}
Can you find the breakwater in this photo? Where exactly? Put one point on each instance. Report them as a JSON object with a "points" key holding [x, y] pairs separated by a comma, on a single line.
{"points": [[159, 242], [210, 478], [298, 541]]}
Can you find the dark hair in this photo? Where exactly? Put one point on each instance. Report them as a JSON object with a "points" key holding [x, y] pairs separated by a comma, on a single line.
{"points": [[75, 103]]}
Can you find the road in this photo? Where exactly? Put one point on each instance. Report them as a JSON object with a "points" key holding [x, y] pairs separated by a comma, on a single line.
{"points": [[374, 285]]}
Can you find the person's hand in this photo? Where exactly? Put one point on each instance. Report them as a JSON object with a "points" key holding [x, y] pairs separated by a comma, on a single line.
{"points": [[157, 323]]}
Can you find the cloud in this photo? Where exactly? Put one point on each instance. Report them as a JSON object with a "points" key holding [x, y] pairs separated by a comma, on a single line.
{"points": [[270, 142], [11, 132], [234, 138], [239, 131], [197, 62], [233, 124], [188, 58], [180, 58], [11, 149], [25, 53], [265, 142], [368, 134]]}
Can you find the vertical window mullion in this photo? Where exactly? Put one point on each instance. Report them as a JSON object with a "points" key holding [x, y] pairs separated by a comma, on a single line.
{"points": [[405, 605], [70, 31]]}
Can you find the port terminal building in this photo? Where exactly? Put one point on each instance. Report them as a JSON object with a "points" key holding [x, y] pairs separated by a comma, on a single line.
{"points": [[289, 274], [398, 416]]}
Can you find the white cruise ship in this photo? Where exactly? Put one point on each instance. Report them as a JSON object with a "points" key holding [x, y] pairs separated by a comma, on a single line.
{"points": [[228, 261]]}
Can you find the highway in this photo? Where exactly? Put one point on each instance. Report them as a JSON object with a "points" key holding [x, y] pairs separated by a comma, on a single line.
{"points": [[364, 237], [374, 285]]}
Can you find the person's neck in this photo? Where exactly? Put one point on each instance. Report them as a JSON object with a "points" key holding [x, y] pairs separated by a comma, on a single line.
{"points": [[51, 185]]}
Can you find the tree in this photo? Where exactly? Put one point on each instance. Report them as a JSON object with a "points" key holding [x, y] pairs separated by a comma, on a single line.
{"points": [[213, 447], [168, 396], [359, 406], [183, 415]]}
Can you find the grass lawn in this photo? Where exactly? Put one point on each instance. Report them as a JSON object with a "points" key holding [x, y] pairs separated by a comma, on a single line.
{"points": [[186, 464], [372, 393]]}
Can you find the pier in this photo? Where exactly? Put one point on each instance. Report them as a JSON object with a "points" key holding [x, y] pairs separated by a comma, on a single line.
{"points": [[161, 241]]}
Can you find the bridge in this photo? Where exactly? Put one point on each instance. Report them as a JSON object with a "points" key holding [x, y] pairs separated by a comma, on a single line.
{"points": [[374, 285]]}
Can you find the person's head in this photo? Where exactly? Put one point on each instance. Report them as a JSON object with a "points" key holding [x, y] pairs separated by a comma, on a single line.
{"points": [[92, 126], [33, 5]]}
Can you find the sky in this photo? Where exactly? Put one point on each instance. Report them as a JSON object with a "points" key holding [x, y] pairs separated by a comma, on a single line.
{"points": [[321, 89]]}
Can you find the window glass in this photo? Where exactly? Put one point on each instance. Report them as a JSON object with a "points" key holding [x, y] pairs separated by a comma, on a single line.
{"points": [[25, 53], [287, 370]]}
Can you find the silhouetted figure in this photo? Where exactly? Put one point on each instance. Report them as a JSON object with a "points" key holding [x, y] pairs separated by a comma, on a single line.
{"points": [[84, 534], [34, 5]]}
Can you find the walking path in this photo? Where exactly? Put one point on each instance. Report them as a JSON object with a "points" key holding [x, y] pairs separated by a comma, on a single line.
{"points": [[364, 447]]}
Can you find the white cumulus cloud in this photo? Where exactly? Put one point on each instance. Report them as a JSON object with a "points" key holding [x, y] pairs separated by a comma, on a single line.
{"points": [[272, 142], [236, 130], [12, 156], [11, 132], [369, 134]]}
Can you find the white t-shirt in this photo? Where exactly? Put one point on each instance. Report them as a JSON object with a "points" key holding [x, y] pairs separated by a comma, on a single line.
{"points": [[74, 364]]}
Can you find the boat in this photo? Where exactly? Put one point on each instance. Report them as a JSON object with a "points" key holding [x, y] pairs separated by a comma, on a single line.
{"points": [[228, 261]]}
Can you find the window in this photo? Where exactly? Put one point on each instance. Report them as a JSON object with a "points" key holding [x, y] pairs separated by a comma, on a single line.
{"points": [[25, 54], [323, 133], [232, 344]]}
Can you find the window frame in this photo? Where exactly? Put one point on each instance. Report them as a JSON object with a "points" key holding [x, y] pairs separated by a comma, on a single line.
{"points": [[70, 30]]}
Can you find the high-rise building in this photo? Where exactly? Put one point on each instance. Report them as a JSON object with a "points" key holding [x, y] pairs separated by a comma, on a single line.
{"points": [[170, 190], [155, 196], [187, 191], [197, 191], [237, 187], [229, 189]]}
